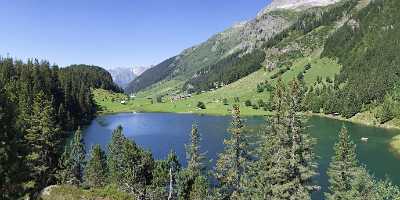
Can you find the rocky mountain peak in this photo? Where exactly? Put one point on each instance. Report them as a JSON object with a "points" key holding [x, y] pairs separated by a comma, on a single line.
{"points": [[295, 5]]}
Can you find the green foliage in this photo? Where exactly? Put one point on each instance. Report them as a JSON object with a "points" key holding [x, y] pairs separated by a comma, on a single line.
{"points": [[114, 156], [234, 161], [286, 163], [388, 110], [77, 157], [10, 162], [42, 137], [92, 76], [130, 167], [248, 103], [199, 189], [191, 183], [225, 101], [365, 48], [159, 99], [226, 71], [343, 167], [201, 105], [349, 181], [96, 168]]}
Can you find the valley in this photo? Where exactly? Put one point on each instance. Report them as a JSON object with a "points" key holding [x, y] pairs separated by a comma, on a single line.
{"points": [[299, 101]]}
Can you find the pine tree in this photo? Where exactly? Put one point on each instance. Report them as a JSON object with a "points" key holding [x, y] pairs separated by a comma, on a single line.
{"points": [[64, 172], [136, 167], [199, 189], [286, 163], [343, 167], [42, 137], [130, 167], [10, 164], [77, 157], [195, 158], [234, 160], [114, 156], [96, 168], [187, 177], [174, 168]]}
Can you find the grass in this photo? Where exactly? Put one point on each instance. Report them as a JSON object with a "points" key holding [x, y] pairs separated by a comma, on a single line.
{"points": [[244, 88], [67, 192]]}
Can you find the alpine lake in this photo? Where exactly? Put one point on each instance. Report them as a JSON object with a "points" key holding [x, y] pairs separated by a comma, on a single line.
{"points": [[162, 132]]}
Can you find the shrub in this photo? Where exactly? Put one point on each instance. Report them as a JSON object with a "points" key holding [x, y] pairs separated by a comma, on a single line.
{"points": [[159, 99], [260, 88], [247, 103], [255, 107], [307, 67], [260, 103], [225, 101], [236, 99], [201, 105]]}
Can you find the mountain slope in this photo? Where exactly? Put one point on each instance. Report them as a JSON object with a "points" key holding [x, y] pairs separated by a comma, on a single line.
{"points": [[367, 46], [240, 39], [216, 56]]}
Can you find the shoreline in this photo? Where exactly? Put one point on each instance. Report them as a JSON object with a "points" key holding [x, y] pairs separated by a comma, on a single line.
{"points": [[362, 122], [394, 143]]}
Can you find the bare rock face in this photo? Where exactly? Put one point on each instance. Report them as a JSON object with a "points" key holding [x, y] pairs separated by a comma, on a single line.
{"points": [[295, 5]]}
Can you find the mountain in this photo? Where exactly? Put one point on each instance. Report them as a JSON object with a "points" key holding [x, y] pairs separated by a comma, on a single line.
{"points": [[225, 49], [296, 4], [124, 75], [240, 39]]}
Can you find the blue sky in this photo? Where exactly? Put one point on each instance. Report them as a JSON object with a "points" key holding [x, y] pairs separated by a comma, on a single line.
{"points": [[114, 33]]}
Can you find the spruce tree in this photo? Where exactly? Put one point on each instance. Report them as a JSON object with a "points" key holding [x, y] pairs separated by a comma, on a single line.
{"points": [[343, 167], [286, 163], [96, 168], [130, 167], [199, 189], [10, 163], [114, 156], [174, 168], [194, 156], [234, 160], [42, 137], [136, 166], [77, 157], [187, 177]]}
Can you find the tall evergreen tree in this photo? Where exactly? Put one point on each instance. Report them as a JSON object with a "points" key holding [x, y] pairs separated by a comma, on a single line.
{"points": [[187, 189], [77, 157], [199, 189], [10, 163], [72, 161], [137, 166], [234, 160], [96, 168], [42, 137], [343, 167], [194, 156], [114, 156], [286, 163], [174, 168]]}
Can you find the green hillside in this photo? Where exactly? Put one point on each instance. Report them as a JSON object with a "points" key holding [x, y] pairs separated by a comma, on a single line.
{"points": [[359, 36]]}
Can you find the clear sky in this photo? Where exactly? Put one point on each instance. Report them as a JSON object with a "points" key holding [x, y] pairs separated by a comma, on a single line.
{"points": [[114, 33]]}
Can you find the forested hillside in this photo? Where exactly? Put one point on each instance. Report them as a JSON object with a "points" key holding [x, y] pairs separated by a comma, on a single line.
{"points": [[40, 105], [367, 46]]}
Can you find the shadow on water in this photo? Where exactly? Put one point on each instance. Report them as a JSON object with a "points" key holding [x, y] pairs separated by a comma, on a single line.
{"points": [[162, 132]]}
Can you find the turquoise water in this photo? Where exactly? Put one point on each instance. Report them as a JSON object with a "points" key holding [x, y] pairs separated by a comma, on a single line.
{"points": [[161, 132]]}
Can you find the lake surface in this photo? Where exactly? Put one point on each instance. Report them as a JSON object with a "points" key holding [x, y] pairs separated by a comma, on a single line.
{"points": [[162, 132]]}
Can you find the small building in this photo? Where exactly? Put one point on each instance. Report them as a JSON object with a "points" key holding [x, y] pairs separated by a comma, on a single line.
{"points": [[123, 102]]}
